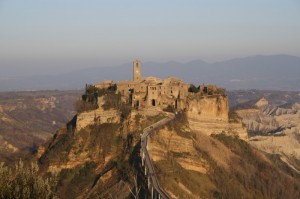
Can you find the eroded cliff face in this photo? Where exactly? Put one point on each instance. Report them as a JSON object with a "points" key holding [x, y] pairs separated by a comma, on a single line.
{"points": [[256, 121], [275, 130], [208, 108], [191, 164], [209, 115], [97, 158], [97, 116], [270, 119], [168, 143], [85, 158]]}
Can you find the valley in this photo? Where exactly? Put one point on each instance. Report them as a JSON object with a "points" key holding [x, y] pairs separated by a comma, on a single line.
{"points": [[28, 119], [205, 152]]}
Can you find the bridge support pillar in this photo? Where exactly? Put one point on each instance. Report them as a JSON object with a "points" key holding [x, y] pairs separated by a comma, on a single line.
{"points": [[152, 192], [143, 158], [149, 182]]}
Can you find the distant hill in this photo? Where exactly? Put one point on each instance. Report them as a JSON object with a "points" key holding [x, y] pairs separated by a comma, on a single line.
{"points": [[28, 119], [276, 72]]}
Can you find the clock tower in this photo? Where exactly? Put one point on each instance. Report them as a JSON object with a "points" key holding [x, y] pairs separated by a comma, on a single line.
{"points": [[137, 71]]}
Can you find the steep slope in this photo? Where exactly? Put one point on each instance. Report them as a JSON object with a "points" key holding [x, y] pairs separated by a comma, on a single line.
{"points": [[99, 157], [97, 154], [191, 164], [210, 115]]}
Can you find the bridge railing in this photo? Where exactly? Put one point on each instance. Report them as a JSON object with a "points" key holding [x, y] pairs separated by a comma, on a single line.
{"points": [[152, 178]]}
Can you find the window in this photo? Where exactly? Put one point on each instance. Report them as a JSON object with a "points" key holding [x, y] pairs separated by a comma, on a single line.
{"points": [[153, 102]]}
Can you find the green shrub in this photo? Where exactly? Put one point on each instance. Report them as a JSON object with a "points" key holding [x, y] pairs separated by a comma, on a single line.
{"points": [[193, 89], [103, 135], [112, 100], [251, 175], [89, 101], [117, 140], [73, 180], [81, 106], [58, 151], [25, 182]]}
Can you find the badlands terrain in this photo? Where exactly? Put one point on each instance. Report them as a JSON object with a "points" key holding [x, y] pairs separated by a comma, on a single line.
{"points": [[251, 152], [28, 119], [273, 122]]}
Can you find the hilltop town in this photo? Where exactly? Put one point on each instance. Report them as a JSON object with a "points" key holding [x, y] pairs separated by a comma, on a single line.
{"points": [[200, 104], [153, 92], [164, 138]]}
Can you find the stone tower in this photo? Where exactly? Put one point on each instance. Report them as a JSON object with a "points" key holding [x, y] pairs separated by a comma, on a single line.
{"points": [[137, 70]]}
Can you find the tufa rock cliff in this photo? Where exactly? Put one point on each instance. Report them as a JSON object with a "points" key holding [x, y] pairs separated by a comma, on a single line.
{"points": [[192, 164], [209, 115], [208, 108]]}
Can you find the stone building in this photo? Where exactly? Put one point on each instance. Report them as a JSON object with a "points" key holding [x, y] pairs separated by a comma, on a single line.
{"points": [[152, 92]]}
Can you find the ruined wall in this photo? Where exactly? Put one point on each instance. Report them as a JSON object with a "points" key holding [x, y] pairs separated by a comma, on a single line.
{"points": [[140, 88], [98, 116], [105, 84]]}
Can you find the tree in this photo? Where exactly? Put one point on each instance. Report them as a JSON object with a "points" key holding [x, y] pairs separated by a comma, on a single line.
{"points": [[24, 182], [193, 89]]}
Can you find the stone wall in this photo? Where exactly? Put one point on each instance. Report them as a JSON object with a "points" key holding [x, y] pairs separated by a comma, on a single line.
{"points": [[97, 116]]}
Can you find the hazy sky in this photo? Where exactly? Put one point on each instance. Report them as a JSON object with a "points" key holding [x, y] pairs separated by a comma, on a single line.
{"points": [[84, 33]]}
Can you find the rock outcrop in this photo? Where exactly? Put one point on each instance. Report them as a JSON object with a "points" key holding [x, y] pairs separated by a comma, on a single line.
{"points": [[209, 115], [208, 108], [97, 116], [192, 164], [168, 143]]}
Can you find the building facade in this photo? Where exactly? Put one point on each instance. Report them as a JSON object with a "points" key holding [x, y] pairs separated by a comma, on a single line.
{"points": [[152, 92]]}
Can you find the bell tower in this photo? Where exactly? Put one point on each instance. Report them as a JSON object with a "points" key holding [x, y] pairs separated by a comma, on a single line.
{"points": [[137, 70]]}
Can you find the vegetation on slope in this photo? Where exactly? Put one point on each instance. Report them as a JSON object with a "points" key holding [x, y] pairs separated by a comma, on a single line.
{"points": [[89, 100], [234, 169], [72, 181], [233, 117], [252, 174], [25, 182], [104, 156]]}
